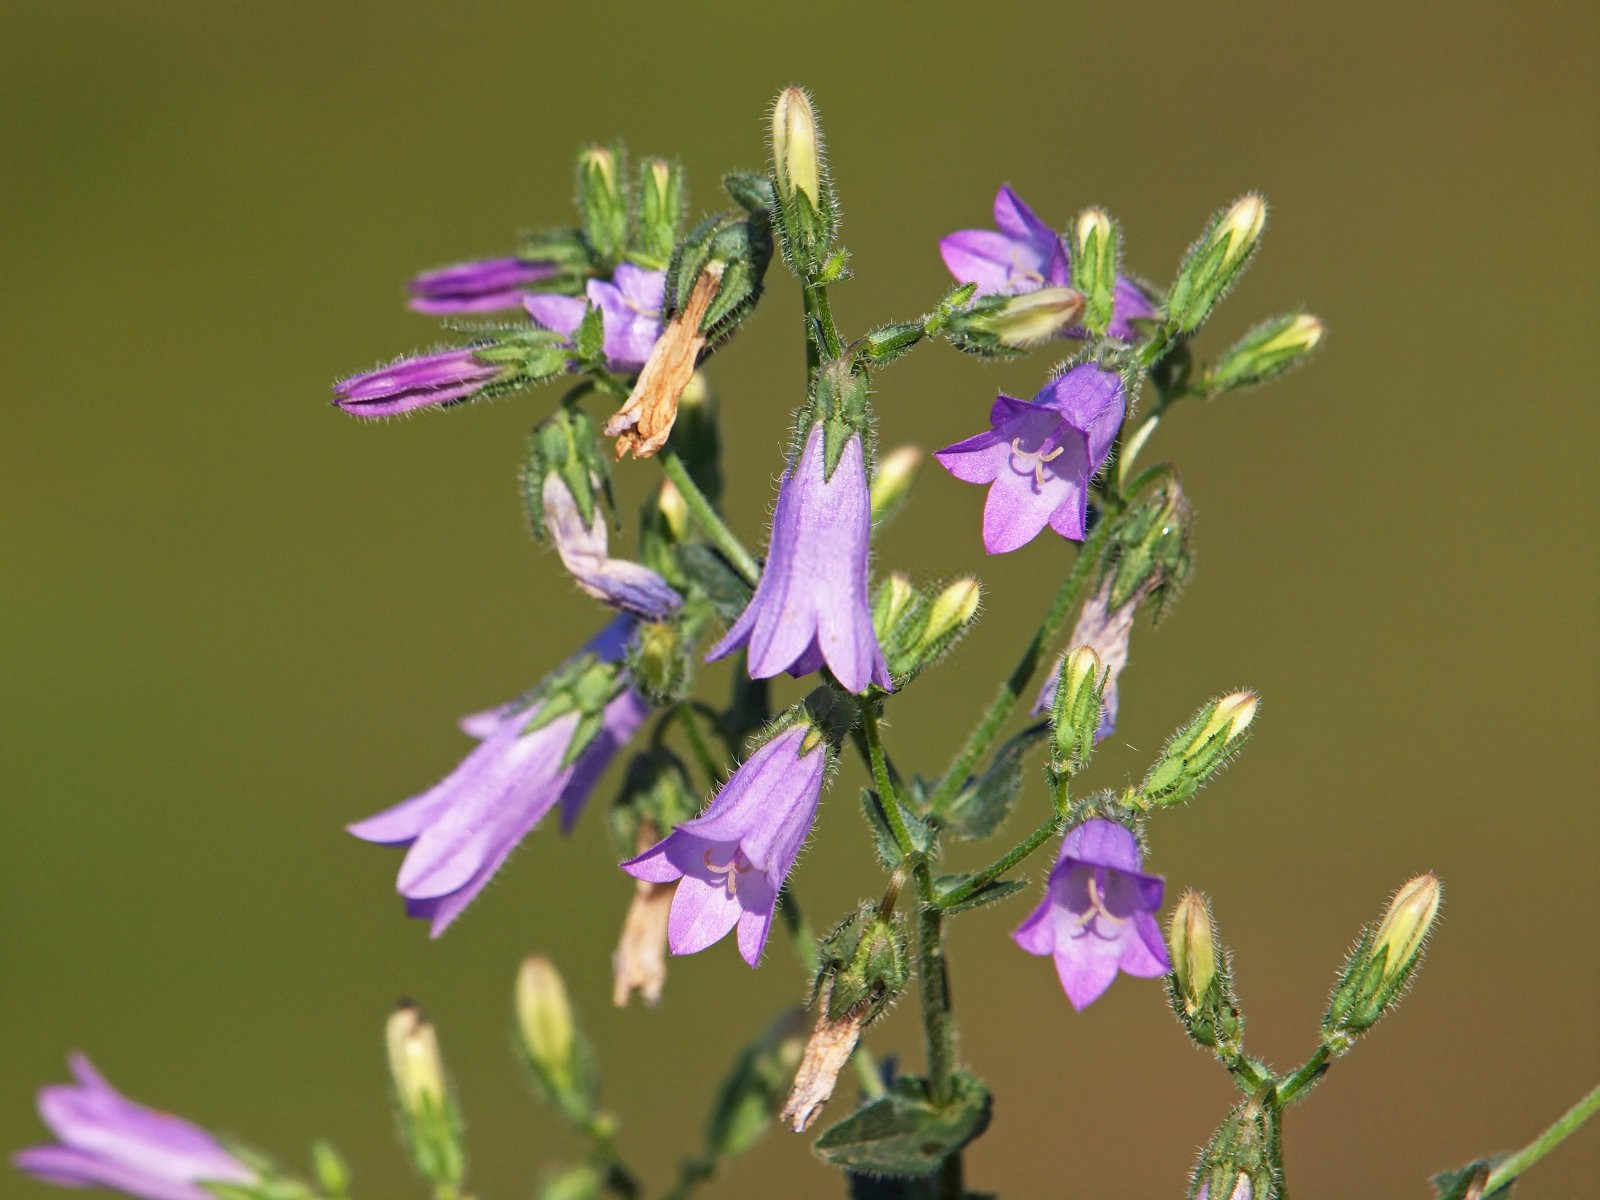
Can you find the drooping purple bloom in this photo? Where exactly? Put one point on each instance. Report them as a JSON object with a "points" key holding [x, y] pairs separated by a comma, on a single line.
{"points": [[1039, 456], [732, 861], [429, 380], [1097, 913], [1107, 631], [489, 285], [106, 1140], [1025, 255], [810, 606], [630, 313], [464, 827], [629, 586]]}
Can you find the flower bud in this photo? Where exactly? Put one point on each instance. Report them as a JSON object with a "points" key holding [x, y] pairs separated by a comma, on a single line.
{"points": [[1194, 952], [805, 199], [661, 206], [1002, 325], [1237, 1164], [428, 1117], [1268, 350], [1075, 712], [1199, 750], [1383, 963], [601, 203], [897, 471], [563, 445], [557, 1054], [896, 600], [1215, 261], [950, 613], [1094, 267]]}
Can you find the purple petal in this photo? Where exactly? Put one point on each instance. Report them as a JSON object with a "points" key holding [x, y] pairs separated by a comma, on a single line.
{"points": [[560, 314], [1101, 843], [645, 290], [702, 913], [1129, 303], [1087, 969], [66, 1167], [990, 260], [978, 459], [1144, 953], [1037, 934]]}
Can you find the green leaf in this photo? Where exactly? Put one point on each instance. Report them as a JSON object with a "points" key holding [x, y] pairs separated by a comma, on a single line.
{"points": [[888, 847], [590, 338], [989, 893], [984, 803], [904, 1133]]}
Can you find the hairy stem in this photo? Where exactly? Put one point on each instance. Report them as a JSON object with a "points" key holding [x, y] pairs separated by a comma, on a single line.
{"points": [[1046, 829], [938, 1026], [705, 514], [1294, 1085], [888, 796], [1513, 1165], [1068, 597]]}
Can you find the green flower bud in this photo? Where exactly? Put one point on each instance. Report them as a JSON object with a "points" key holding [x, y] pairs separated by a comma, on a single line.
{"points": [[565, 445], [558, 1055], [601, 202], [1268, 350], [1240, 1161], [806, 215], [1003, 325], [661, 207], [951, 612], [891, 485], [1215, 261], [1376, 974], [896, 600], [1194, 953], [1075, 711], [1094, 267], [429, 1121], [1199, 750]]}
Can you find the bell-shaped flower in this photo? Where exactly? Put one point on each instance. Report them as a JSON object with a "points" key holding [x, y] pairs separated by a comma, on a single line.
{"points": [[533, 754], [1039, 455], [1023, 254], [488, 285], [630, 313], [629, 586], [107, 1140], [425, 381], [730, 863], [1097, 916], [810, 607]]}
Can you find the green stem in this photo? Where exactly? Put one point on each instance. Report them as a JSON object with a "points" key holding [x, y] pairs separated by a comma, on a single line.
{"points": [[888, 796], [1294, 1085], [705, 514], [938, 1027], [822, 335], [1046, 830], [805, 941], [1566, 1124], [1068, 597]]}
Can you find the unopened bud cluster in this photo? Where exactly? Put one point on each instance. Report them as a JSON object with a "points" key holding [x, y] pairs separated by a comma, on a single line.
{"points": [[916, 629]]}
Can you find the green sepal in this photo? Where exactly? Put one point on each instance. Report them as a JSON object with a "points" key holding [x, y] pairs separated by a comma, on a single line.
{"points": [[1094, 271], [1210, 268], [571, 1087], [751, 191], [983, 803], [564, 443], [564, 248], [863, 964], [1270, 349], [602, 201], [922, 836], [905, 1133], [755, 1087], [1190, 759], [743, 245], [1217, 1023], [433, 1135], [661, 656], [1249, 1141], [881, 346], [841, 400], [662, 200], [1466, 1183], [992, 892], [1149, 554], [589, 339]]}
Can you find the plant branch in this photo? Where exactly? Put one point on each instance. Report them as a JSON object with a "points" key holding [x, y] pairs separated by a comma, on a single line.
{"points": [[705, 514]]}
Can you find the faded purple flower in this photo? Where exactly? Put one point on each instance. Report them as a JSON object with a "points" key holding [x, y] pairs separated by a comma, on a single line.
{"points": [[1241, 1189], [429, 380], [630, 313], [1040, 455], [489, 285], [106, 1140], [462, 829], [1025, 255], [1106, 631], [732, 861], [629, 586], [1096, 916], [810, 606]]}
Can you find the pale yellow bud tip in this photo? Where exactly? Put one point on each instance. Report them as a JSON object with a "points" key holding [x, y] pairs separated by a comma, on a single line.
{"points": [[414, 1060], [794, 143], [1083, 663], [1238, 710], [1406, 924], [953, 607], [544, 1013], [1242, 224], [1194, 952], [600, 159], [1092, 223]]}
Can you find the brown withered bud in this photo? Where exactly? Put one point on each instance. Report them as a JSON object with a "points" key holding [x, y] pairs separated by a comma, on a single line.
{"points": [[642, 425], [831, 1045], [639, 963]]}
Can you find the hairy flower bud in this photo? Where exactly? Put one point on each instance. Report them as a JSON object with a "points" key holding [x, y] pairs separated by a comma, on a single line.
{"points": [[1215, 261], [1199, 750], [999, 325], [1094, 267], [1194, 952], [544, 1015], [428, 1116], [806, 215], [1268, 350], [1075, 712], [891, 484], [1237, 1164], [661, 208], [1385, 959], [600, 201]]}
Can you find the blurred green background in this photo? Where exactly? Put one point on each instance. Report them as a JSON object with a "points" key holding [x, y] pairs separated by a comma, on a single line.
{"points": [[235, 620]]}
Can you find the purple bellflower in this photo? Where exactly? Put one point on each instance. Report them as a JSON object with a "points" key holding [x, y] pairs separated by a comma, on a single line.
{"points": [[1026, 255], [428, 380], [629, 586], [810, 606], [630, 313], [490, 285], [106, 1140], [1039, 456], [1096, 916], [461, 830], [731, 862], [1106, 631]]}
